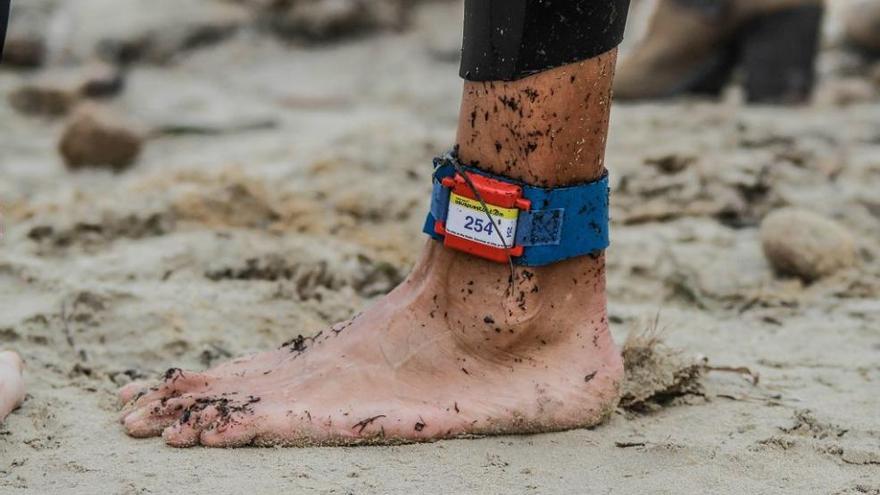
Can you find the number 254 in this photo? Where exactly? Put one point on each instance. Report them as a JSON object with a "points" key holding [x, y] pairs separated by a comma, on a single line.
{"points": [[477, 224]]}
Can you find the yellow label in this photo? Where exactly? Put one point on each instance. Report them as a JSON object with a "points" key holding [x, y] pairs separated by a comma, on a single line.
{"points": [[467, 219], [472, 204]]}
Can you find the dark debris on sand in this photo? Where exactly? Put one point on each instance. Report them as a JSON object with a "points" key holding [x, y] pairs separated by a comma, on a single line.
{"points": [[655, 374]]}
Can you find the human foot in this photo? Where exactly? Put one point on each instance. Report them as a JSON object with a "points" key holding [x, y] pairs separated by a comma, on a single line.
{"points": [[463, 346], [11, 383], [454, 350]]}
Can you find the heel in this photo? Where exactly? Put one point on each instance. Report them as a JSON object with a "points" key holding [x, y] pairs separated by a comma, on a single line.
{"points": [[778, 55]]}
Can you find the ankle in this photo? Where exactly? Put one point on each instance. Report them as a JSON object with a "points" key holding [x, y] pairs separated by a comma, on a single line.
{"points": [[547, 130], [487, 313]]}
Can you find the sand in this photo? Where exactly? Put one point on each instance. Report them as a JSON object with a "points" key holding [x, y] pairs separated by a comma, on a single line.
{"points": [[299, 201]]}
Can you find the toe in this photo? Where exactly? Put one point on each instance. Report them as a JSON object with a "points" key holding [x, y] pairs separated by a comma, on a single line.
{"points": [[231, 431], [142, 423], [134, 389], [178, 382], [150, 419], [175, 384], [185, 431], [181, 435], [238, 435], [12, 390], [12, 359]]}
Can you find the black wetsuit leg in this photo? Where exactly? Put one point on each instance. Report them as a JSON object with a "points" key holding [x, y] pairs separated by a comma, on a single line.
{"points": [[4, 19], [505, 40]]}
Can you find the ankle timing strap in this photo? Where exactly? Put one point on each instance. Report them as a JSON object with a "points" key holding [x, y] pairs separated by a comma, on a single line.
{"points": [[505, 220]]}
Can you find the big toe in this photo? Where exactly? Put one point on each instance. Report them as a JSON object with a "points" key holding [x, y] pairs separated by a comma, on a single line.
{"points": [[12, 359], [12, 391]]}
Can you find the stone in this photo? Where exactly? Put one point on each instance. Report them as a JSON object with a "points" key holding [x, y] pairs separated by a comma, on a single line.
{"points": [[24, 52], [100, 80], [95, 137], [56, 91], [42, 99], [806, 245], [26, 39], [329, 19], [126, 31]]}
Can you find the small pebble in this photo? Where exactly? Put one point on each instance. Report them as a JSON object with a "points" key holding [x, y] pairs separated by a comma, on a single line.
{"points": [[42, 99], [57, 91], [94, 137], [24, 52], [806, 245]]}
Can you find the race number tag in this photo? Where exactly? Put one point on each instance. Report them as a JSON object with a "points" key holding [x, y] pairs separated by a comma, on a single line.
{"points": [[467, 218]]}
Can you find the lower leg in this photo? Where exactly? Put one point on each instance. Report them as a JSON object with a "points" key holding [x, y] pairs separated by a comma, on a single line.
{"points": [[547, 130], [4, 20], [459, 347], [694, 47]]}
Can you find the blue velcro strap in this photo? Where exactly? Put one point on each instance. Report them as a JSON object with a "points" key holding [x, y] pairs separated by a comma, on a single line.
{"points": [[439, 202], [563, 222], [540, 228]]}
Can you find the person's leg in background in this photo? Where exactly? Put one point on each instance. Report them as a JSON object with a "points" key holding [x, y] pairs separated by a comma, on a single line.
{"points": [[694, 47], [4, 20], [462, 346]]}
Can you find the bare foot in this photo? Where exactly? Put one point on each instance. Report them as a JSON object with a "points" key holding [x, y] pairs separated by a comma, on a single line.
{"points": [[454, 350], [461, 347], [11, 383]]}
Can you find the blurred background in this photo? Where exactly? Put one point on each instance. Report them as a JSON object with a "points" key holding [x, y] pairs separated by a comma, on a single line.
{"points": [[183, 181]]}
